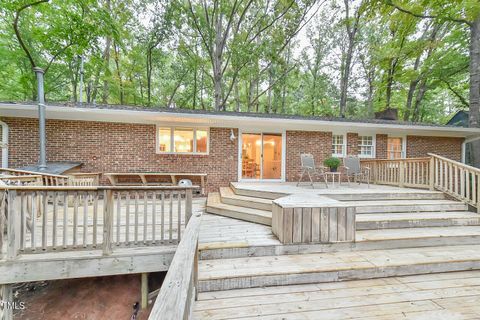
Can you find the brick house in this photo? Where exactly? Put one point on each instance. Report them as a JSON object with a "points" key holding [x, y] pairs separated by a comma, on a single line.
{"points": [[227, 146]]}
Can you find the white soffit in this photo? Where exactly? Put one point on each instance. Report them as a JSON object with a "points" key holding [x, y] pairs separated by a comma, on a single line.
{"points": [[229, 121]]}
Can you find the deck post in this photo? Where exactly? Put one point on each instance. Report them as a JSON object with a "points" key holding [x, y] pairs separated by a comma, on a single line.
{"points": [[188, 205], [13, 225], [108, 222], [144, 290], [195, 273], [401, 173], [375, 173], [6, 302], [431, 174]]}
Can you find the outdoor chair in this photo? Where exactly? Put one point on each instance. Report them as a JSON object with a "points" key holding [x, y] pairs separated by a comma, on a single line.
{"points": [[353, 169], [309, 168]]}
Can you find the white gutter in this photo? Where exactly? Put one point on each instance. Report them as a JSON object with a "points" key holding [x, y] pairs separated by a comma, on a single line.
{"points": [[229, 121]]}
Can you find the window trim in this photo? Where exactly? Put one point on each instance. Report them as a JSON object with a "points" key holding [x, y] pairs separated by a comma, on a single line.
{"points": [[344, 145], [172, 140], [374, 144]]}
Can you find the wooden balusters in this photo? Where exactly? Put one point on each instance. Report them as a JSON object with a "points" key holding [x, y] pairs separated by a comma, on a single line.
{"points": [[70, 218]]}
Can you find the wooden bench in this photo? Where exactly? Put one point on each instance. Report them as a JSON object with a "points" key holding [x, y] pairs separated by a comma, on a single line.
{"points": [[144, 178]]}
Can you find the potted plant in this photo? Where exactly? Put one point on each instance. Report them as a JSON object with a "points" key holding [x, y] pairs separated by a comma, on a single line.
{"points": [[333, 163]]}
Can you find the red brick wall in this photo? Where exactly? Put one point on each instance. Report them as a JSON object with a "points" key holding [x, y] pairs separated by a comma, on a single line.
{"points": [[381, 146], [420, 146], [315, 142], [352, 143], [119, 147]]}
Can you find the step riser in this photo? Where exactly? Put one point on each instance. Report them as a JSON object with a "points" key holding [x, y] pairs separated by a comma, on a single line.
{"points": [[412, 208], [239, 215], [334, 276], [247, 204], [388, 196], [259, 194], [375, 225], [262, 251]]}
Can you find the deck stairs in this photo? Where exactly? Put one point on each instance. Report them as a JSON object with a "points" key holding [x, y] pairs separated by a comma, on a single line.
{"points": [[397, 234]]}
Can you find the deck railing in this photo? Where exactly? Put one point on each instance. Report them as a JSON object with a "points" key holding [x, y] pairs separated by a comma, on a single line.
{"points": [[457, 179], [179, 289], [68, 218], [47, 179], [412, 172]]}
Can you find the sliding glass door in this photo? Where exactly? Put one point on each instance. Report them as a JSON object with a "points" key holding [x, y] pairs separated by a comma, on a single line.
{"points": [[261, 156]]}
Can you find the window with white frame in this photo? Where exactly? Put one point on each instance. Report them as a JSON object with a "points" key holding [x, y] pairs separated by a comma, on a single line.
{"points": [[366, 147], [182, 140], [338, 145]]}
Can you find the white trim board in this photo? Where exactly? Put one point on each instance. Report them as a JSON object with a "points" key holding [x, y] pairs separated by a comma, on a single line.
{"points": [[230, 121]]}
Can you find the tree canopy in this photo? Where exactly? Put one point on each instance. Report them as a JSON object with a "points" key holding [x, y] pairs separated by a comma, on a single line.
{"points": [[325, 57]]}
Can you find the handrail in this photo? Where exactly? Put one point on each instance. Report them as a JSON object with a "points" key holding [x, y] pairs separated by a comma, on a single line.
{"points": [[95, 188], [386, 160], [27, 172], [178, 291], [435, 172], [459, 164], [457, 179]]}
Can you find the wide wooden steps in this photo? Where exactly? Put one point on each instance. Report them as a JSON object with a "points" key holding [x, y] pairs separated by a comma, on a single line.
{"points": [[386, 206], [441, 296], [251, 272], [216, 206], [229, 197], [341, 193], [373, 221]]}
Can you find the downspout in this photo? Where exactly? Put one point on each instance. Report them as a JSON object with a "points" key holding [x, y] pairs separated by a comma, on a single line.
{"points": [[42, 160], [4, 145]]}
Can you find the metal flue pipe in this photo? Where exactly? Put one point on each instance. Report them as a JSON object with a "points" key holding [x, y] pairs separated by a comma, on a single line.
{"points": [[42, 160]]}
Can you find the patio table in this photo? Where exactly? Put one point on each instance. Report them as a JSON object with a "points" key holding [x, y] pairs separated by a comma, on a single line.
{"points": [[333, 175]]}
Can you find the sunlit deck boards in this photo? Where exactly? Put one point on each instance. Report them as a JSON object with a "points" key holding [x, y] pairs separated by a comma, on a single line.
{"points": [[222, 232], [451, 296], [285, 188]]}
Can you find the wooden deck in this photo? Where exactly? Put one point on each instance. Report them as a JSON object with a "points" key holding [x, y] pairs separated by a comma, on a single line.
{"points": [[443, 296]]}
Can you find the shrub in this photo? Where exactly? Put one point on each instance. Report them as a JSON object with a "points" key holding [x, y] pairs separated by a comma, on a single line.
{"points": [[332, 162]]}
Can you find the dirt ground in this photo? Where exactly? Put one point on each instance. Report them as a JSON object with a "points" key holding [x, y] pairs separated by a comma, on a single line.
{"points": [[85, 299]]}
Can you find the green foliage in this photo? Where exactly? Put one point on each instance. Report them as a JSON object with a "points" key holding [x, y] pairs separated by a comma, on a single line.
{"points": [[162, 53], [332, 162]]}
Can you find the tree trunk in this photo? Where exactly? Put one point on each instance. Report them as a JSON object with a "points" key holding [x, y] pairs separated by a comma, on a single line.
{"points": [[475, 74], [237, 97], [106, 56], [411, 90], [149, 75], [422, 89], [474, 95], [345, 78], [119, 74], [217, 64], [391, 72]]}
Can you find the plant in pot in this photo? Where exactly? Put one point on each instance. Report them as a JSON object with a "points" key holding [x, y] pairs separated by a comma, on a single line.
{"points": [[333, 163]]}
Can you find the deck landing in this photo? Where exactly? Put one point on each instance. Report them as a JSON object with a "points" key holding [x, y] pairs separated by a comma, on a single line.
{"points": [[442, 296]]}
